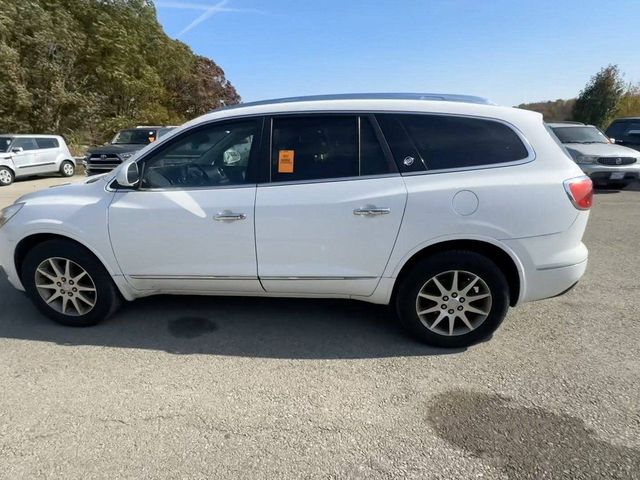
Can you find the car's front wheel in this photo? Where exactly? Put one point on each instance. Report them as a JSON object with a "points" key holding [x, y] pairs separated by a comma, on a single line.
{"points": [[453, 298], [68, 283], [6, 176], [67, 169]]}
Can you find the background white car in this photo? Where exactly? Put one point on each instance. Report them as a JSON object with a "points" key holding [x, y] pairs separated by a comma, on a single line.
{"points": [[25, 155]]}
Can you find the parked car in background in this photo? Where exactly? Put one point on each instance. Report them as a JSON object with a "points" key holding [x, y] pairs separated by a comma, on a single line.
{"points": [[606, 163], [626, 131], [124, 145], [25, 155], [447, 207]]}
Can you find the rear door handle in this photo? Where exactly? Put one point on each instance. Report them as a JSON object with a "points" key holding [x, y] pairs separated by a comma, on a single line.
{"points": [[371, 211], [228, 216]]}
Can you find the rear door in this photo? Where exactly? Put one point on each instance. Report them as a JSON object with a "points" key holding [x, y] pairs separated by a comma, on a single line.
{"points": [[46, 155], [327, 220]]}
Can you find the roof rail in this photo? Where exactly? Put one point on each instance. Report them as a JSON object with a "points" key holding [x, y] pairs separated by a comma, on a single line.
{"points": [[442, 97]]}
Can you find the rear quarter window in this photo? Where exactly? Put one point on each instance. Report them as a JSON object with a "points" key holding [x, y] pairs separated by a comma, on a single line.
{"points": [[47, 142], [438, 142]]}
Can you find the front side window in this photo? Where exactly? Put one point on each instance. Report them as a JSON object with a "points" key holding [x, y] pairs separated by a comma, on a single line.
{"points": [[25, 143], [47, 143], [437, 142], [325, 147], [5, 144], [580, 135], [211, 156]]}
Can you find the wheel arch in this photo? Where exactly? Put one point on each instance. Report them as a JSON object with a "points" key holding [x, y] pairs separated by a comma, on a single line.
{"points": [[30, 241], [504, 259]]}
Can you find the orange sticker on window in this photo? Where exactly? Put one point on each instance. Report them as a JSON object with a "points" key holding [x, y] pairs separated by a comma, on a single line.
{"points": [[285, 161]]}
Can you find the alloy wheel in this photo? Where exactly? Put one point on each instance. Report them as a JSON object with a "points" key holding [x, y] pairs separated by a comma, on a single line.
{"points": [[65, 286], [68, 169], [453, 303], [5, 177]]}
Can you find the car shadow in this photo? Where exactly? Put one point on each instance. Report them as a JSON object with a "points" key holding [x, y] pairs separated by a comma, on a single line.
{"points": [[234, 326]]}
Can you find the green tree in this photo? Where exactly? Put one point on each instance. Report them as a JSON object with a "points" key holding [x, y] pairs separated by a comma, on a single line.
{"points": [[600, 99]]}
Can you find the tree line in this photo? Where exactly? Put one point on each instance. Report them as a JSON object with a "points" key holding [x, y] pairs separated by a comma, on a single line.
{"points": [[606, 96], [87, 68]]}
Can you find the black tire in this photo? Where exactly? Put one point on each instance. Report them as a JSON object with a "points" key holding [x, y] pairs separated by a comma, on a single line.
{"points": [[106, 299], [464, 261], [62, 168], [6, 176]]}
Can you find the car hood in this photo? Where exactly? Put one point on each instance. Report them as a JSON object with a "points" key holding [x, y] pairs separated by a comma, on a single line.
{"points": [[600, 150], [111, 148], [91, 188]]}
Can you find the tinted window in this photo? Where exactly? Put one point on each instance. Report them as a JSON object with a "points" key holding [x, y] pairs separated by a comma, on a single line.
{"points": [[135, 136], [215, 155], [626, 130], [435, 142], [47, 142], [321, 146], [373, 160], [25, 143], [309, 148]]}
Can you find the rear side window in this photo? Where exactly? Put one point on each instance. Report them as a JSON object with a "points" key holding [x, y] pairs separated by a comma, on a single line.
{"points": [[47, 143], [325, 147], [437, 142]]}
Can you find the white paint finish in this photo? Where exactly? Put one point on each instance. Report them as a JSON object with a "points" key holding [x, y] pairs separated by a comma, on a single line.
{"points": [[39, 161], [465, 203], [173, 234], [310, 230]]}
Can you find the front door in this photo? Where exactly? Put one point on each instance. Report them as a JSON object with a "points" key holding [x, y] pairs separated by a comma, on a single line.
{"points": [[190, 224], [328, 220], [26, 159]]}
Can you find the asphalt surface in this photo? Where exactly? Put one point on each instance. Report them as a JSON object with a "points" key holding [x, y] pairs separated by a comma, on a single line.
{"points": [[185, 387]]}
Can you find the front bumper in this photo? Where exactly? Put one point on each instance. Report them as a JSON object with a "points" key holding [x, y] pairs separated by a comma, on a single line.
{"points": [[602, 173], [7, 264]]}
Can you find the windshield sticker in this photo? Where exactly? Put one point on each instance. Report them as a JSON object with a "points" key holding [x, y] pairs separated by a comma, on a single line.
{"points": [[285, 161]]}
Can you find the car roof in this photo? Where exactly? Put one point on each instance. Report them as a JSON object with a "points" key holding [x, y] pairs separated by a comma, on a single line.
{"points": [[625, 118], [28, 135], [442, 97], [371, 103]]}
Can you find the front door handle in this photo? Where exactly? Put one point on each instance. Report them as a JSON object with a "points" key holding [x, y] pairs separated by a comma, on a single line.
{"points": [[228, 216], [371, 211]]}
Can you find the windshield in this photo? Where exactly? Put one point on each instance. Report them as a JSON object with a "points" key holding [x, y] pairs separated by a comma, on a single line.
{"points": [[580, 135], [135, 136], [5, 143]]}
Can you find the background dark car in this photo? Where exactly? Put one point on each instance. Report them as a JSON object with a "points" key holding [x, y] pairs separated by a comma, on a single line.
{"points": [[125, 143], [626, 131]]}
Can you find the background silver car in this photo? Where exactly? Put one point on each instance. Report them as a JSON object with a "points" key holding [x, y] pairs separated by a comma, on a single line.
{"points": [[607, 164], [24, 155]]}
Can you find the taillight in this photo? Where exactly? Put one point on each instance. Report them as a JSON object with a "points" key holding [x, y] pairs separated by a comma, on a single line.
{"points": [[580, 192]]}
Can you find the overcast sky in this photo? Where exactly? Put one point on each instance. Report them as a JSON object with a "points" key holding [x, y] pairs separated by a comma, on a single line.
{"points": [[511, 51]]}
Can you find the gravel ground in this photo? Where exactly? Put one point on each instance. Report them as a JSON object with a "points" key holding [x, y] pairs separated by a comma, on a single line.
{"points": [[268, 388]]}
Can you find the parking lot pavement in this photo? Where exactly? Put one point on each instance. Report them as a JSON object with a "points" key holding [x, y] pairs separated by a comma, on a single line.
{"points": [[272, 388]]}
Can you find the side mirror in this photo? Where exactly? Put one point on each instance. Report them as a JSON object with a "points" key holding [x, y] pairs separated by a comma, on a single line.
{"points": [[128, 175], [17, 150], [612, 140]]}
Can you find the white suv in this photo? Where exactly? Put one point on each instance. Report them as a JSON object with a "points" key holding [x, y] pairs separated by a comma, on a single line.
{"points": [[447, 207], [24, 155]]}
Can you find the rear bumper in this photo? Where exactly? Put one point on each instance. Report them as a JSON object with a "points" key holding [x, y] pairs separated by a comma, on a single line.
{"points": [[553, 282]]}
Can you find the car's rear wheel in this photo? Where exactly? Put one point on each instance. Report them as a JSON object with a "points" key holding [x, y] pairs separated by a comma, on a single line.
{"points": [[67, 169], [6, 176], [453, 299], [68, 283]]}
